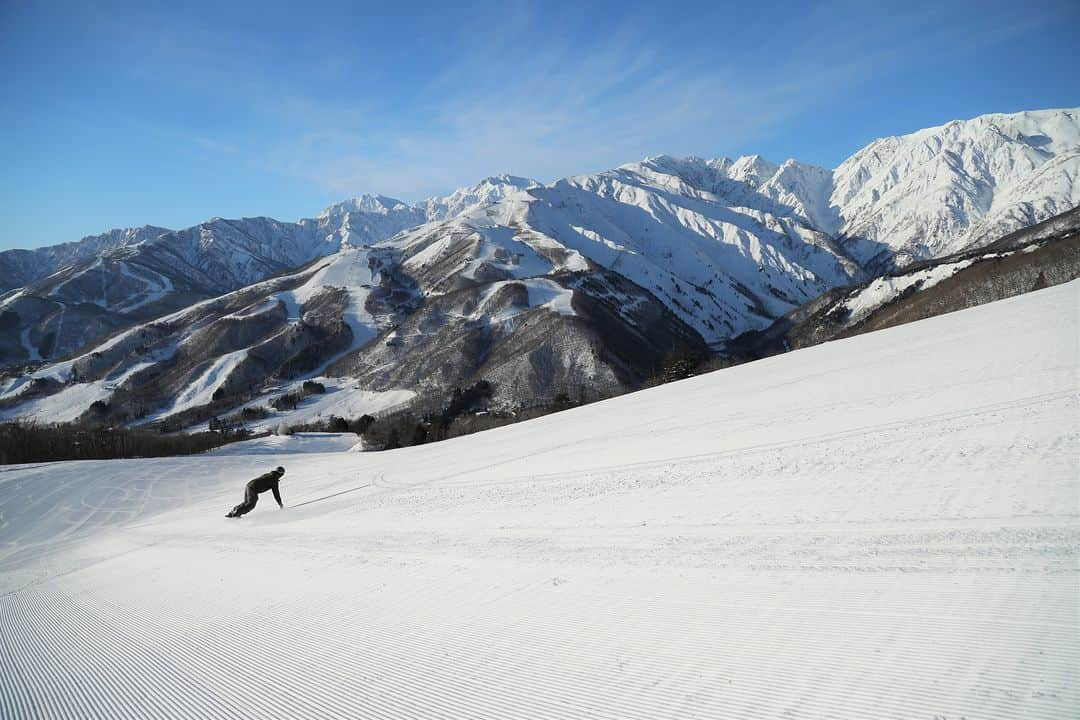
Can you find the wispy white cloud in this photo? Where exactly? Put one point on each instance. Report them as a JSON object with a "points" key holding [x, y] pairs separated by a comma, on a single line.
{"points": [[550, 108], [560, 110]]}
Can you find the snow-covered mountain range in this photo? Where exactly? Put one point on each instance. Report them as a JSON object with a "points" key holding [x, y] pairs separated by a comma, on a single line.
{"points": [[65, 297], [589, 280]]}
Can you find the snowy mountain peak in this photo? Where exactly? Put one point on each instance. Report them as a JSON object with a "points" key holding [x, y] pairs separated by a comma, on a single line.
{"points": [[720, 164], [688, 166], [132, 235], [488, 191], [945, 188], [372, 204], [686, 175], [1053, 131], [805, 189], [504, 179], [752, 169]]}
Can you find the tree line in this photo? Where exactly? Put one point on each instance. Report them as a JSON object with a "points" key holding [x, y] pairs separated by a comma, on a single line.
{"points": [[29, 442]]}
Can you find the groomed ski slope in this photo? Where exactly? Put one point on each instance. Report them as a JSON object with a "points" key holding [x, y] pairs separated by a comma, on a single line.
{"points": [[880, 527]]}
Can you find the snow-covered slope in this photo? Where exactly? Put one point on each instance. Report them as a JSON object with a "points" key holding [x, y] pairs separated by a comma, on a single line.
{"points": [[358, 324], [789, 538]]}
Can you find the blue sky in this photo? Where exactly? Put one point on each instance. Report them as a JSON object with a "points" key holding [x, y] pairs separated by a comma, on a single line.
{"points": [[117, 115]]}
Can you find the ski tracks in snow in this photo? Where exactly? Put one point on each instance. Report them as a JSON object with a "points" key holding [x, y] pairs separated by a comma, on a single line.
{"points": [[423, 640]]}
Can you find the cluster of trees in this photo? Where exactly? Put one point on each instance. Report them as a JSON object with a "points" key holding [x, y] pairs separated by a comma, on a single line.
{"points": [[235, 426], [334, 424], [37, 442], [466, 411], [290, 400], [682, 363], [311, 387], [414, 427], [255, 412], [229, 428]]}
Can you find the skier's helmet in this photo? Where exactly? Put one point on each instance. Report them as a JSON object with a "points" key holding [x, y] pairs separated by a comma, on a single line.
{"points": [[280, 470]]}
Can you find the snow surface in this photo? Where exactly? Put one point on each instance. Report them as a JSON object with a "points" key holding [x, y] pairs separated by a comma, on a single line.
{"points": [[157, 287], [886, 289], [290, 444], [883, 526], [543, 293], [72, 401], [200, 391], [64, 406], [348, 269]]}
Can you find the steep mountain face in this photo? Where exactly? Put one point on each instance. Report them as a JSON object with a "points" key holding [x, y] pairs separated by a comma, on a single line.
{"points": [[700, 236], [722, 255], [586, 283], [945, 189]]}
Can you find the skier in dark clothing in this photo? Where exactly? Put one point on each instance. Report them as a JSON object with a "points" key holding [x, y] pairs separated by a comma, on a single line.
{"points": [[261, 484]]}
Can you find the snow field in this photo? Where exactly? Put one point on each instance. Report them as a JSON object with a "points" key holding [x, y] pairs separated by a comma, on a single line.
{"points": [[201, 390], [884, 526], [71, 402], [157, 286], [306, 442], [64, 406], [543, 293], [887, 288]]}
